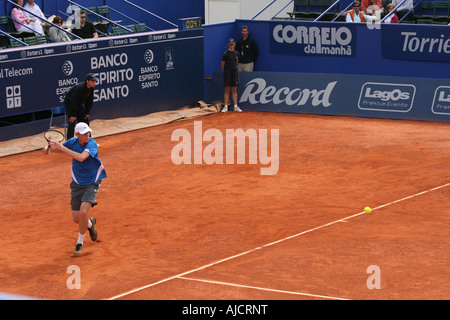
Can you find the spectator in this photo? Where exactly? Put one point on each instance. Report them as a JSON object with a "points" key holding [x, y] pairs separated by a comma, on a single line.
{"points": [[371, 6], [355, 15], [392, 18], [248, 51], [230, 60], [36, 23], [57, 35], [87, 29], [404, 9], [18, 15]]}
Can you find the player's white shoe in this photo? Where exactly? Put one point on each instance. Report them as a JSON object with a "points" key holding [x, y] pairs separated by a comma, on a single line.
{"points": [[225, 109], [237, 109]]}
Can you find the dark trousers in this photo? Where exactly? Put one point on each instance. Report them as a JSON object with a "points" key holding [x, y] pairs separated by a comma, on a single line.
{"points": [[71, 126]]}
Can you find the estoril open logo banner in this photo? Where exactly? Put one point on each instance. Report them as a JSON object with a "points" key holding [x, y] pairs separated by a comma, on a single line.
{"points": [[318, 39]]}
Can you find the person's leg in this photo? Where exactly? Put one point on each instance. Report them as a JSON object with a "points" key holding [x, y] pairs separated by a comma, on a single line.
{"points": [[234, 94], [83, 217], [235, 99], [247, 67], [80, 212], [70, 128], [226, 99]]}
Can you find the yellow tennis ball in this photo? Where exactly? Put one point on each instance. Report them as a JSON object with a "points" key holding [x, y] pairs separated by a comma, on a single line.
{"points": [[367, 210]]}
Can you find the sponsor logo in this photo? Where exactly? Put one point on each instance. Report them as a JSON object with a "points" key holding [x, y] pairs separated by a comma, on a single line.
{"points": [[67, 68], [386, 97], [441, 101], [309, 40], [257, 91], [13, 97], [148, 56], [169, 59], [413, 43]]}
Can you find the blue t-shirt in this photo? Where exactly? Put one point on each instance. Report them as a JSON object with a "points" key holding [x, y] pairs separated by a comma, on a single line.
{"points": [[90, 170]]}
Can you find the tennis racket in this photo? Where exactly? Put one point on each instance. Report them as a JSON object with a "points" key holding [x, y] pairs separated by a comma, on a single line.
{"points": [[52, 135]]}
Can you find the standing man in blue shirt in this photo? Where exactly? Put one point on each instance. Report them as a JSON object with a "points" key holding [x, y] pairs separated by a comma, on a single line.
{"points": [[87, 175]]}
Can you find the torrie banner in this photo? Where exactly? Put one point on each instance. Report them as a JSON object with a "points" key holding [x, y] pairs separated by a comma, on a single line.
{"points": [[338, 94], [428, 43]]}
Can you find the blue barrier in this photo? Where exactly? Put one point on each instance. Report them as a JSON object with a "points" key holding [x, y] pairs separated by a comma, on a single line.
{"points": [[340, 94], [138, 74], [337, 47]]}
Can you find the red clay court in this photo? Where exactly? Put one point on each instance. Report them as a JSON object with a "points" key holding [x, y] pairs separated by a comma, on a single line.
{"points": [[226, 232]]}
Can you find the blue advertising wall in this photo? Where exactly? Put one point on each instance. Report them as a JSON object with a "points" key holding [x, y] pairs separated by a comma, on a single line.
{"points": [[341, 94], [396, 71], [138, 74], [373, 49]]}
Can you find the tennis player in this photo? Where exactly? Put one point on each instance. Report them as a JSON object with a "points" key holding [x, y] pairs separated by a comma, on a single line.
{"points": [[87, 175]]}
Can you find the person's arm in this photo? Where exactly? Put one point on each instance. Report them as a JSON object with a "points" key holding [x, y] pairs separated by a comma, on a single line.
{"points": [[93, 30], [348, 18], [19, 16], [68, 103], [75, 102], [89, 102], [370, 18], [53, 33], [75, 155]]}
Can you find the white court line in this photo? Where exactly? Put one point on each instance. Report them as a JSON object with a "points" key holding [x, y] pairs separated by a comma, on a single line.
{"points": [[271, 244], [263, 289]]}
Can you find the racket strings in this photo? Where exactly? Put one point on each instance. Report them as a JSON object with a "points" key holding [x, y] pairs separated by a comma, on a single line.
{"points": [[55, 136]]}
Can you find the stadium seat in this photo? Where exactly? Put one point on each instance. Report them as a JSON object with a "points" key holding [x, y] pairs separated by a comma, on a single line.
{"points": [[91, 16], [4, 22], [35, 40], [315, 6], [15, 44], [9, 26], [438, 11], [140, 27], [300, 9], [425, 10], [441, 12], [117, 31], [41, 40], [31, 41], [3, 39], [330, 15], [103, 24], [424, 21]]}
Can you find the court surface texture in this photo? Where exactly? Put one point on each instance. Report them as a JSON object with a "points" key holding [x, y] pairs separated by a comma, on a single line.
{"points": [[225, 231]]}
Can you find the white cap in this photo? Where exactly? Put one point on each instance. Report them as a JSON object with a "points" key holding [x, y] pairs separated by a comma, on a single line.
{"points": [[82, 128]]}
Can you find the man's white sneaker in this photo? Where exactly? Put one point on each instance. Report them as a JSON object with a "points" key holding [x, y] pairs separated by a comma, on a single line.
{"points": [[237, 109], [225, 109]]}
